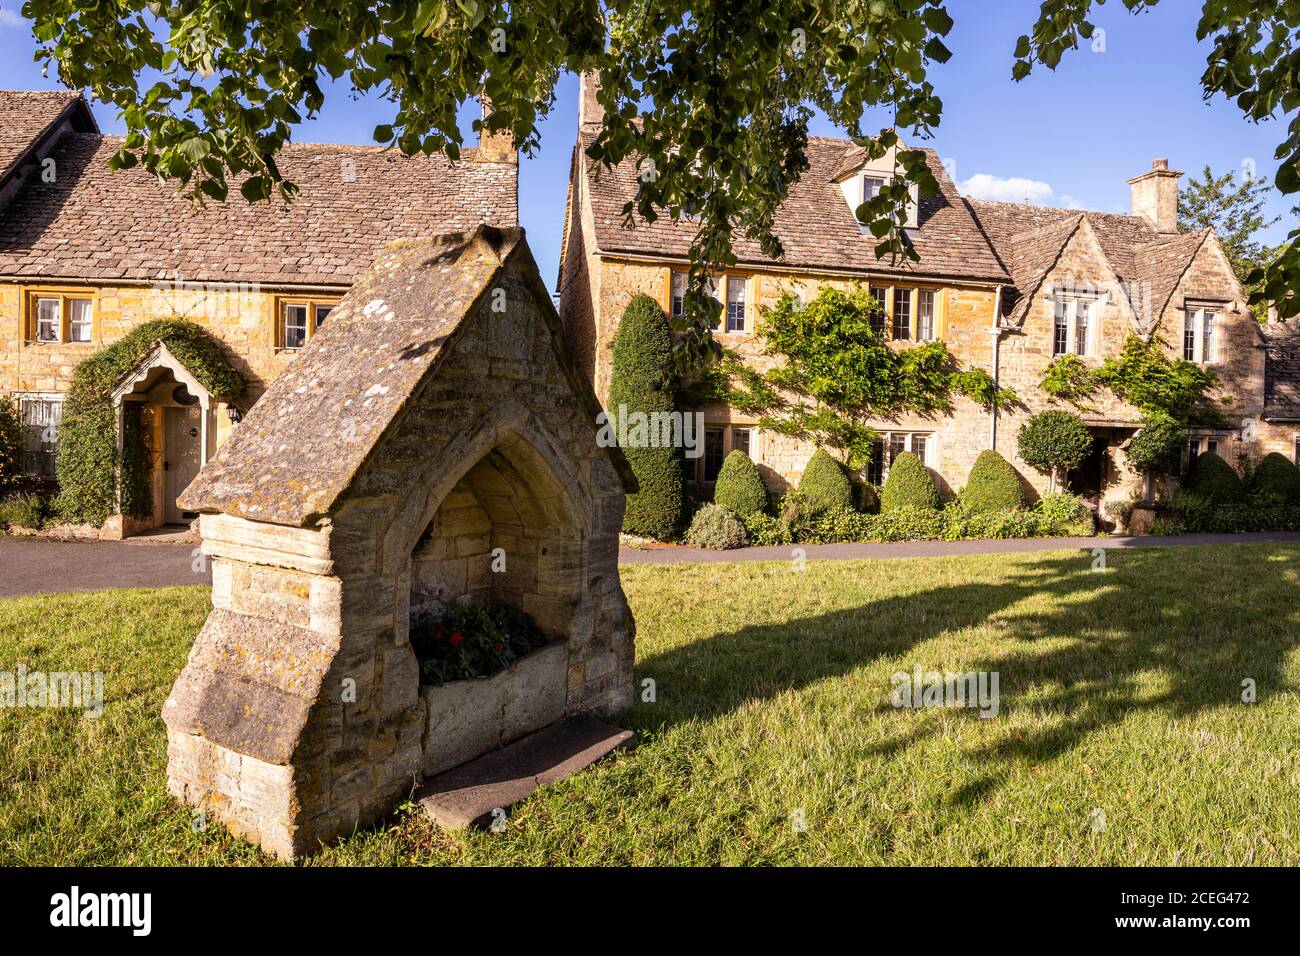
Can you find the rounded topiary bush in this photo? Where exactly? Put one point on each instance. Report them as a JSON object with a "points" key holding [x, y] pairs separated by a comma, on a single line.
{"points": [[740, 486], [909, 485], [993, 484], [1053, 442], [823, 486], [1276, 475], [1214, 478], [717, 528], [641, 382], [1158, 445]]}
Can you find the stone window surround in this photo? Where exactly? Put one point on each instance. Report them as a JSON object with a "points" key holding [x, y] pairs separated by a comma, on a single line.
{"points": [[65, 294], [312, 303], [1195, 310], [879, 467], [1068, 303], [728, 446], [938, 317], [721, 284]]}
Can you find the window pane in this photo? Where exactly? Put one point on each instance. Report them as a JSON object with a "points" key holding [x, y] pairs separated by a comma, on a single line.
{"points": [[48, 319], [877, 318], [79, 320], [1061, 332], [925, 315], [740, 440], [918, 447], [1212, 446], [679, 294], [735, 305], [1082, 311], [1189, 336], [322, 313], [1208, 343], [876, 467], [902, 313], [871, 187], [40, 418], [295, 326], [712, 453], [897, 445]]}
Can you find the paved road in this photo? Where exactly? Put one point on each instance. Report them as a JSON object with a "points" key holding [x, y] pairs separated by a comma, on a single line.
{"points": [[934, 549], [41, 566]]}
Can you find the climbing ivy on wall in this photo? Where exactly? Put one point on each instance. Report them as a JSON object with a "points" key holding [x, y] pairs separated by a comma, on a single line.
{"points": [[88, 459], [837, 373], [1144, 376]]}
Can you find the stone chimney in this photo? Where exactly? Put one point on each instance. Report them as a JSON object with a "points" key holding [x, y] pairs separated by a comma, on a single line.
{"points": [[1155, 196], [495, 147], [590, 112]]}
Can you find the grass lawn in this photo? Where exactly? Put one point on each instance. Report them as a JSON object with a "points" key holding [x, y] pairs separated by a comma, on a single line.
{"points": [[1120, 696]]}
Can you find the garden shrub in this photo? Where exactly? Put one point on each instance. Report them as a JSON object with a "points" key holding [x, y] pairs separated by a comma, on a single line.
{"points": [[993, 485], [11, 445], [740, 486], [1214, 478], [22, 511], [1053, 442], [1275, 475], [642, 380], [1066, 514], [1158, 445], [909, 485], [471, 640], [824, 485], [88, 461], [763, 529], [716, 528]]}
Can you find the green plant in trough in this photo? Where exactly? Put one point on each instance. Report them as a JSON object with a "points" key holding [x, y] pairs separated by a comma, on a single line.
{"points": [[1053, 442], [88, 460], [643, 382], [1275, 475], [1214, 478], [993, 485], [909, 485], [823, 486], [740, 486], [11, 444], [717, 528]]}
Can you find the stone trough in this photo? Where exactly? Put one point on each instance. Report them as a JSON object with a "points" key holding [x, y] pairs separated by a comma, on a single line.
{"points": [[433, 444]]}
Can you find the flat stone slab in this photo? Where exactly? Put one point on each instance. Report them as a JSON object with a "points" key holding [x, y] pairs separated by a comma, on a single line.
{"points": [[468, 794]]}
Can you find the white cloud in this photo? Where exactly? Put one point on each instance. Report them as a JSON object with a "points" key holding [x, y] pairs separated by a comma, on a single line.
{"points": [[10, 19], [1016, 189]]}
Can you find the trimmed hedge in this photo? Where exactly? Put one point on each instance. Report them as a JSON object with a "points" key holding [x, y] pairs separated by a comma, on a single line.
{"points": [[823, 484], [642, 381], [11, 444], [717, 528], [1192, 512], [1053, 442], [1213, 478], [909, 485], [88, 461], [1276, 475], [993, 485], [739, 486]]}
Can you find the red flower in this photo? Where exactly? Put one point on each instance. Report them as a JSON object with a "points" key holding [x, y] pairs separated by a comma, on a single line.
{"points": [[500, 647], [456, 638], [437, 635]]}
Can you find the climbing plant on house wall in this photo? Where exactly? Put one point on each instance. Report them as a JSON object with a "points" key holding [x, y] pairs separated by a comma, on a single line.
{"points": [[88, 460], [836, 373]]}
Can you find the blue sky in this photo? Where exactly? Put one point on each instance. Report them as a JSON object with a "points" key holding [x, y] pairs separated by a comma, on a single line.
{"points": [[1069, 138]]}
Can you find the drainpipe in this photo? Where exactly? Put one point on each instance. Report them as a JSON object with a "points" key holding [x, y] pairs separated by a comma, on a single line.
{"points": [[995, 333]]}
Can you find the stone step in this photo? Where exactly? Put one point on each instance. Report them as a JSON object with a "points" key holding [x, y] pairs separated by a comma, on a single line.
{"points": [[471, 793]]}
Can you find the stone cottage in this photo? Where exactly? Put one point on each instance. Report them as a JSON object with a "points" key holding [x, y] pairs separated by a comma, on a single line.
{"points": [[435, 422], [1008, 287], [88, 253]]}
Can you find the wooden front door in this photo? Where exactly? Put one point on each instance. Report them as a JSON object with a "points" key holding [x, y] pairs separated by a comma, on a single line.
{"points": [[181, 457]]}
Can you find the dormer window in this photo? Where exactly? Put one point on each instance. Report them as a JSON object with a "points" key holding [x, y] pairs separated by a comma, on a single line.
{"points": [[871, 186]]}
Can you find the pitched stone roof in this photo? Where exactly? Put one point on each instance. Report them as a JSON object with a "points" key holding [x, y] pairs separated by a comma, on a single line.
{"points": [[815, 225], [24, 117], [1281, 370], [94, 223], [357, 374], [1028, 239]]}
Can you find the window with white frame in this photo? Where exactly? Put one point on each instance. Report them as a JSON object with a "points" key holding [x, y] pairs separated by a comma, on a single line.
{"points": [[299, 320], [736, 304], [1197, 446], [1200, 334], [1074, 325], [871, 186], [890, 445], [40, 416], [902, 314], [925, 315], [56, 317], [721, 440], [678, 293]]}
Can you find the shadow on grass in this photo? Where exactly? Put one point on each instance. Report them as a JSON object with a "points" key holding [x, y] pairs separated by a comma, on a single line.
{"points": [[1193, 624]]}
